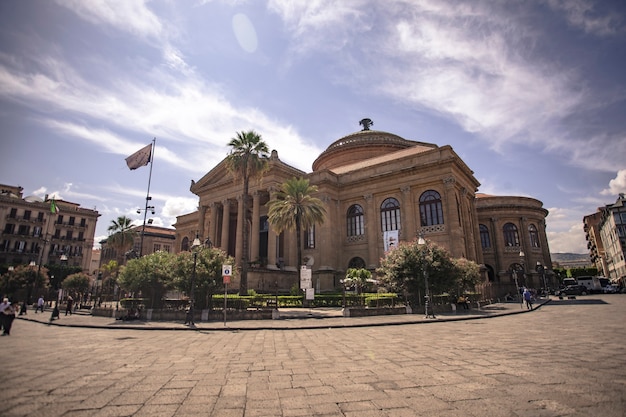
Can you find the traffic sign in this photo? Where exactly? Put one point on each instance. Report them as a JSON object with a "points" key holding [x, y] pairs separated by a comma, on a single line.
{"points": [[227, 270]]}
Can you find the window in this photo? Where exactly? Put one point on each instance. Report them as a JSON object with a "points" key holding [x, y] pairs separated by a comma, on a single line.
{"points": [[355, 220], [309, 238], [69, 234], [157, 247], [60, 219], [37, 231], [390, 215], [9, 228], [431, 210], [81, 236], [23, 230], [184, 246], [356, 263], [83, 222], [166, 248], [40, 217], [13, 213], [534, 236], [511, 237], [26, 214], [485, 240], [71, 221]]}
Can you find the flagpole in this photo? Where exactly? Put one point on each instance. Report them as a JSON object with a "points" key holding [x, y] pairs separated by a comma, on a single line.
{"points": [[148, 198]]}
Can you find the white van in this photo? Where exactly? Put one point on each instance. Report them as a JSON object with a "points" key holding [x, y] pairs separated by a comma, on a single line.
{"points": [[592, 283]]}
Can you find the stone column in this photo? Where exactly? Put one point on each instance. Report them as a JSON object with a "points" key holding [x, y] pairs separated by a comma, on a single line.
{"points": [[407, 215], [271, 239], [254, 235], [451, 218], [213, 223], [239, 236], [225, 225], [202, 222], [371, 218]]}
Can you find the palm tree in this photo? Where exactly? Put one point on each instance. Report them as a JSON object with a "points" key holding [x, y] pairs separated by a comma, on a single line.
{"points": [[121, 236], [247, 160], [296, 208]]}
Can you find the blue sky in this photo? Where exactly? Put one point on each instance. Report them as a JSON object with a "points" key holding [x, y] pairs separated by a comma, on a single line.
{"points": [[531, 94]]}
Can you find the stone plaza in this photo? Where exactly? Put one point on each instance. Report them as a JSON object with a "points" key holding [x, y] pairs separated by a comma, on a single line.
{"points": [[565, 358]]}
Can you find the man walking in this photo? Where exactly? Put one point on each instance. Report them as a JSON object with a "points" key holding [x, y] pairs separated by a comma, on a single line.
{"points": [[40, 304], [528, 298]]}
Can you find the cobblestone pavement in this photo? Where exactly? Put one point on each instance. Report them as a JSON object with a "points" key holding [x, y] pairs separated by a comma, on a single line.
{"points": [[566, 358]]}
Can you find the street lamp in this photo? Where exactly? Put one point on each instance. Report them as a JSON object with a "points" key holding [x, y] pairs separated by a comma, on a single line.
{"points": [[195, 246], [421, 242], [542, 271]]}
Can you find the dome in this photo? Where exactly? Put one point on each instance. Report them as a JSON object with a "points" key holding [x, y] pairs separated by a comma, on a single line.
{"points": [[360, 146], [33, 199]]}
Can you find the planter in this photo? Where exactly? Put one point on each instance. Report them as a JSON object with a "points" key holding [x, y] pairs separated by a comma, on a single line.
{"points": [[373, 311]]}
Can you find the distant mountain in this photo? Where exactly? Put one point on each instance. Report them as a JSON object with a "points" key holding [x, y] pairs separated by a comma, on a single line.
{"points": [[569, 257]]}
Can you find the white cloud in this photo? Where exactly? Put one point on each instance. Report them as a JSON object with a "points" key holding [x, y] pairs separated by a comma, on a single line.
{"points": [[128, 16], [585, 15], [617, 185]]}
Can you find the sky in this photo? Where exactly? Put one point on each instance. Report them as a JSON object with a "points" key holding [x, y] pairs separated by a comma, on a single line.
{"points": [[531, 94]]}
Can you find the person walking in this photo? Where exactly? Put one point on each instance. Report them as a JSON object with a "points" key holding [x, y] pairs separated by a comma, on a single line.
{"points": [[528, 298], [70, 304], [7, 311], [40, 304]]}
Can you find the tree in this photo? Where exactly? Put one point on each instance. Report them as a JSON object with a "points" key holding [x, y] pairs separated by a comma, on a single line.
{"points": [[23, 277], [76, 283], [467, 274], [404, 268], [296, 208], [111, 270], [121, 236], [247, 160], [208, 273], [360, 277], [152, 275]]}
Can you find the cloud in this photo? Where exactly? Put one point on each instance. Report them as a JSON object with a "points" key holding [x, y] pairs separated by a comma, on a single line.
{"points": [[617, 185], [128, 16], [588, 16]]}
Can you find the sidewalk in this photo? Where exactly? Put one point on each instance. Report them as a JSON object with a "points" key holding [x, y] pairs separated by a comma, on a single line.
{"points": [[290, 318]]}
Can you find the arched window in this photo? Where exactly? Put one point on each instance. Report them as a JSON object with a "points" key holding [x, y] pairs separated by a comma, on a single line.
{"points": [[356, 263], [511, 237], [184, 246], [533, 234], [431, 211], [355, 220], [390, 215], [485, 240]]}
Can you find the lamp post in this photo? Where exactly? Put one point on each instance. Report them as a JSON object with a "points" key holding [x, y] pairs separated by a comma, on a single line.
{"points": [[421, 242], [195, 246], [542, 271]]}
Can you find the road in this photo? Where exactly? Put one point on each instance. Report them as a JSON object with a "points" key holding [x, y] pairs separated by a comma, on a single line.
{"points": [[567, 358]]}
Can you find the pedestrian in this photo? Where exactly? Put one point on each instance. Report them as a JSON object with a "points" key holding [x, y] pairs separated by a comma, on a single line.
{"points": [[70, 303], [40, 304], [528, 298], [7, 311]]}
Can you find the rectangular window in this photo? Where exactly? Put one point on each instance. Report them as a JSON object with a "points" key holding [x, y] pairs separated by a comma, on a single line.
{"points": [[60, 219], [26, 214], [40, 217], [71, 221], [81, 236], [69, 234], [23, 230], [309, 238], [166, 248], [157, 247], [83, 222], [13, 213], [9, 228]]}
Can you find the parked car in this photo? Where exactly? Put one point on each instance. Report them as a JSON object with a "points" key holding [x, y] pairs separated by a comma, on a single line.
{"points": [[611, 289], [574, 290]]}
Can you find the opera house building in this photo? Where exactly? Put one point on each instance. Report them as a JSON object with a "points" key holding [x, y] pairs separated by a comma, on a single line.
{"points": [[379, 189]]}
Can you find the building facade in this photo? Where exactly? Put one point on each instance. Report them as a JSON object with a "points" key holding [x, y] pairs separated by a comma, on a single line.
{"points": [[597, 255], [378, 189], [155, 239], [32, 232], [613, 234]]}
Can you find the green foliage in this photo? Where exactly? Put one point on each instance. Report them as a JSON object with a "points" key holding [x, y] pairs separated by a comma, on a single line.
{"points": [[467, 275], [296, 209], [76, 283], [60, 272], [208, 273], [579, 272], [151, 275], [404, 268], [359, 277], [247, 159]]}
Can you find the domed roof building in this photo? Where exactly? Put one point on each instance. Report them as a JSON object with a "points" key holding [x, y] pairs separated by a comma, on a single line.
{"points": [[379, 188]]}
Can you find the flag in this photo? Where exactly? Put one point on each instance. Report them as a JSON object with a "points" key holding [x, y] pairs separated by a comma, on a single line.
{"points": [[53, 207], [140, 158]]}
